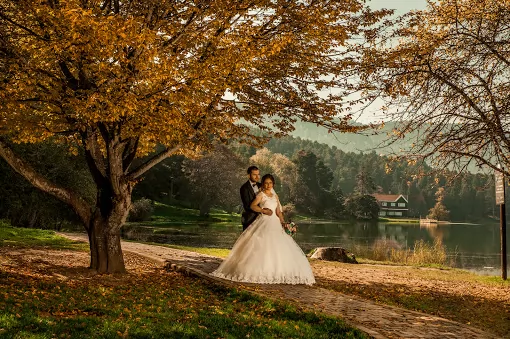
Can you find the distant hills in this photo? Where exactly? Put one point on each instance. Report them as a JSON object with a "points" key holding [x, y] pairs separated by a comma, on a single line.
{"points": [[367, 141]]}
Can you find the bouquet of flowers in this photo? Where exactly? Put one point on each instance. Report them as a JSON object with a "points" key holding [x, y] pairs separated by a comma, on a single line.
{"points": [[290, 228]]}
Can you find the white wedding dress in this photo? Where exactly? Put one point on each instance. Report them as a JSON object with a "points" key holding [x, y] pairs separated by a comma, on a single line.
{"points": [[265, 254]]}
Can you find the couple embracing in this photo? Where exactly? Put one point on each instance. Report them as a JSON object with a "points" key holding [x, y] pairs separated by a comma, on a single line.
{"points": [[264, 253]]}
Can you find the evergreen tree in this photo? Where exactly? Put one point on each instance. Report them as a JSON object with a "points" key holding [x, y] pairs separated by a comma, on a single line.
{"points": [[364, 183], [439, 211], [362, 207]]}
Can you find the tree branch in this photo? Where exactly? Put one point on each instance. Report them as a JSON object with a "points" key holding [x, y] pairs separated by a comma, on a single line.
{"points": [[23, 27], [153, 162], [129, 153], [67, 196], [94, 157]]}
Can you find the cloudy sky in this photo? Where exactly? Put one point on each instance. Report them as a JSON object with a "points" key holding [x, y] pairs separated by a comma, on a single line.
{"points": [[373, 113], [401, 6]]}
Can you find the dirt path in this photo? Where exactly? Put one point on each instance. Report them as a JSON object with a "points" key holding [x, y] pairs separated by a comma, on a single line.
{"points": [[380, 321]]}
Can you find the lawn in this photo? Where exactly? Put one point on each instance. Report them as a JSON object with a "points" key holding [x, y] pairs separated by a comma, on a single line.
{"points": [[165, 214], [454, 294], [47, 292], [28, 237], [170, 213]]}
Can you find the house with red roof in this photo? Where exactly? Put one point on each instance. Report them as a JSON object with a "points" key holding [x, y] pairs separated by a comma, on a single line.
{"points": [[392, 205]]}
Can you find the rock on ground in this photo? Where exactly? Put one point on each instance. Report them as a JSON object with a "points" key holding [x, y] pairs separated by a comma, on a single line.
{"points": [[334, 254]]}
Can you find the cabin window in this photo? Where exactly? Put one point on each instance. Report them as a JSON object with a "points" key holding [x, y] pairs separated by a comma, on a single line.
{"points": [[401, 204], [384, 203], [393, 204]]}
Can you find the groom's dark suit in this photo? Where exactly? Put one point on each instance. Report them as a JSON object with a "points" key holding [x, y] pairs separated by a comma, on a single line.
{"points": [[247, 196]]}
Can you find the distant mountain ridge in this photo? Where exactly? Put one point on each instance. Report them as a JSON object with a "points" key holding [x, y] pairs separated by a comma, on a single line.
{"points": [[367, 141]]}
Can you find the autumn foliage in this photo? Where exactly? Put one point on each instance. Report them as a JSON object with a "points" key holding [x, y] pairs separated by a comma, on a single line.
{"points": [[444, 74], [119, 78]]}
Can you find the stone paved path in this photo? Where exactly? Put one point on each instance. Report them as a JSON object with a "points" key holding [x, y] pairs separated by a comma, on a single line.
{"points": [[379, 321]]}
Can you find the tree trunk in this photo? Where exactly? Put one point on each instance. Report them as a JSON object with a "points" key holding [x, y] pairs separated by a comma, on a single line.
{"points": [[114, 183], [105, 249], [205, 208], [104, 230]]}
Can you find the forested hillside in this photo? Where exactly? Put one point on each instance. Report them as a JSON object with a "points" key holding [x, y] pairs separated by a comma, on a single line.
{"points": [[469, 197], [313, 178], [365, 141]]}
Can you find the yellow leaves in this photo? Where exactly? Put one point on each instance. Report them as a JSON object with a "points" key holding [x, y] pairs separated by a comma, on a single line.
{"points": [[387, 168], [124, 334], [157, 80]]}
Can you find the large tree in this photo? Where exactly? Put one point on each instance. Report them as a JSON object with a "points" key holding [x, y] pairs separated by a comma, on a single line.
{"points": [[288, 187], [445, 73], [119, 78]]}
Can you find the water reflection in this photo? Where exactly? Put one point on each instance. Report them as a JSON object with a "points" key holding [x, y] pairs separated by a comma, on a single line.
{"points": [[470, 246]]}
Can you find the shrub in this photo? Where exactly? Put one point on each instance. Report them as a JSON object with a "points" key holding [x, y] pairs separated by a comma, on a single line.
{"points": [[289, 211], [382, 248], [141, 210]]}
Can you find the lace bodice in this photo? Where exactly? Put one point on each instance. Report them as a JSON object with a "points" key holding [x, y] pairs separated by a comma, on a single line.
{"points": [[269, 202]]}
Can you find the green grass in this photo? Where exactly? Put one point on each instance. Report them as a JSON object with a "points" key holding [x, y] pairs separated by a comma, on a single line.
{"points": [[149, 304], [217, 252], [160, 305], [169, 213], [29, 237], [164, 213]]}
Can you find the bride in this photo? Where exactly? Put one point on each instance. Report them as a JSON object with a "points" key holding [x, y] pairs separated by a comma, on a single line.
{"points": [[265, 253]]}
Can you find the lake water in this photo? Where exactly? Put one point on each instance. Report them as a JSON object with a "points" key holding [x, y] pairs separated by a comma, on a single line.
{"points": [[474, 247]]}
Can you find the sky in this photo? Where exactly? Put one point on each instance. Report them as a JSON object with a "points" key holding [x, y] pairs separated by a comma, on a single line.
{"points": [[372, 114], [400, 6]]}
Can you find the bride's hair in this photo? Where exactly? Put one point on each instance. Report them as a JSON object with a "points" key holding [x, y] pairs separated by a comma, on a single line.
{"points": [[267, 176]]}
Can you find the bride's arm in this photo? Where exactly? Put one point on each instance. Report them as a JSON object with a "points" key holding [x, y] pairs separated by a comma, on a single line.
{"points": [[279, 212], [255, 205]]}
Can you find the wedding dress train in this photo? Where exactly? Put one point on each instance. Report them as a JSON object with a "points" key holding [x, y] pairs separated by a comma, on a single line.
{"points": [[265, 254]]}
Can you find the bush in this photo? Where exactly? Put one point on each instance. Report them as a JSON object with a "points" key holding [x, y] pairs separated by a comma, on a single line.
{"points": [[289, 211], [424, 254], [141, 210]]}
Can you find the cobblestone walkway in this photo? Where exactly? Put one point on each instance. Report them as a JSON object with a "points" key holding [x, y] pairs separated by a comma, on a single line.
{"points": [[379, 321]]}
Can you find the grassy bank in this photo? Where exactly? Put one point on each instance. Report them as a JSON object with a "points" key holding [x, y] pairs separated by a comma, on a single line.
{"points": [[382, 252], [44, 298], [164, 213], [169, 213], [399, 220], [35, 238], [390, 252]]}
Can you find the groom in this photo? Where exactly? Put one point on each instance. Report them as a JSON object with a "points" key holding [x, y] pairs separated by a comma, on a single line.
{"points": [[248, 192]]}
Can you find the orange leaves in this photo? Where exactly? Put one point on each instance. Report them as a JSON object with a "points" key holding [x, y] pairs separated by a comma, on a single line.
{"points": [[160, 73]]}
